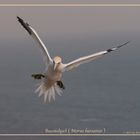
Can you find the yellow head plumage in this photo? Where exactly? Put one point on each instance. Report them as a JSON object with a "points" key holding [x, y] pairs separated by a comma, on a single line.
{"points": [[57, 59]]}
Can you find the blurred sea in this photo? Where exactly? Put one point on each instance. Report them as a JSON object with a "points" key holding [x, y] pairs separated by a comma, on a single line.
{"points": [[103, 94]]}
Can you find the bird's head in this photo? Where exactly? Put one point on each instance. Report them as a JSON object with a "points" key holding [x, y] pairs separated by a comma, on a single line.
{"points": [[57, 60]]}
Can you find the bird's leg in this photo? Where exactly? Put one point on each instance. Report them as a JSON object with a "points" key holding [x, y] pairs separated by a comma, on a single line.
{"points": [[60, 84], [38, 76]]}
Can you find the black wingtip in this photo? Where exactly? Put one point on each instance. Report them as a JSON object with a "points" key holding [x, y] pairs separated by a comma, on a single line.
{"points": [[123, 44], [25, 25], [113, 49], [18, 18], [109, 50]]}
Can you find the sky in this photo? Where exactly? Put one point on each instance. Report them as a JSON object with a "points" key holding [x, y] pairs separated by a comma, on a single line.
{"points": [[61, 21], [69, 32], [66, 23]]}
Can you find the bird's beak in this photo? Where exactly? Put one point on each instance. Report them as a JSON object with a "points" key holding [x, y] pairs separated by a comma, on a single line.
{"points": [[54, 66]]}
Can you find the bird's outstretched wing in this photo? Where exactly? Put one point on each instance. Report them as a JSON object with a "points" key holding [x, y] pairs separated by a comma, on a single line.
{"points": [[89, 58], [46, 57]]}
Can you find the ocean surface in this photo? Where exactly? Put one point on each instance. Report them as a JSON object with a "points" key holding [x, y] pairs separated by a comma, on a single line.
{"points": [[102, 95]]}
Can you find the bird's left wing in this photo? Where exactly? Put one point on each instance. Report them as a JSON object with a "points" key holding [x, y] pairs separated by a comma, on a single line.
{"points": [[46, 57], [89, 58]]}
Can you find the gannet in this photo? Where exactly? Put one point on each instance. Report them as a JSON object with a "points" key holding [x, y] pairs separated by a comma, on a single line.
{"points": [[51, 83]]}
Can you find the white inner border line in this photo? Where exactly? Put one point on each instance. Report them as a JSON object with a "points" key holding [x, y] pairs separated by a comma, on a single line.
{"points": [[60, 135], [70, 5]]}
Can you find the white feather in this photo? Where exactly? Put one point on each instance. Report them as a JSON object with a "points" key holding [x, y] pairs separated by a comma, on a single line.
{"points": [[58, 90], [48, 93], [46, 57], [53, 93], [89, 58]]}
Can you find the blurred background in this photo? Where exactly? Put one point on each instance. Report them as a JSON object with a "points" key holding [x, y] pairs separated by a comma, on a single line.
{"points": [[100, 94]]}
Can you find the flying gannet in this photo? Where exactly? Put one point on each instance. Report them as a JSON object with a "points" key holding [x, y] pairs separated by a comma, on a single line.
{"points": [[51, 83]]}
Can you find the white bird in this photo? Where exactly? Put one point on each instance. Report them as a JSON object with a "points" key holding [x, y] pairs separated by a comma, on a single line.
{"points": [[51, 80]]}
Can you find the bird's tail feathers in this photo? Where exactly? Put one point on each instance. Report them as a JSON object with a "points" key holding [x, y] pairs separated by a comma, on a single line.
{"points": [[48, 92]]}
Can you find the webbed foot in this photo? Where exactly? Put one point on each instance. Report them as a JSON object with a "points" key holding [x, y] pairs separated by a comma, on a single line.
{"points": [[60, 84], [38, 76]]}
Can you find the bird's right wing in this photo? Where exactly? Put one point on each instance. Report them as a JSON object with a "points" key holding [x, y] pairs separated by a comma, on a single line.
{"points": [[86, 59], [46, 57]]}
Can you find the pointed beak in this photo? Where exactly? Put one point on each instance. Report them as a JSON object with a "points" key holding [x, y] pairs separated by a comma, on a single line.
{"points": [[54, 66]]}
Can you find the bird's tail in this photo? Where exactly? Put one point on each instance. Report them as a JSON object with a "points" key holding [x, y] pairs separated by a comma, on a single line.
{"points": [[48, 92]]}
